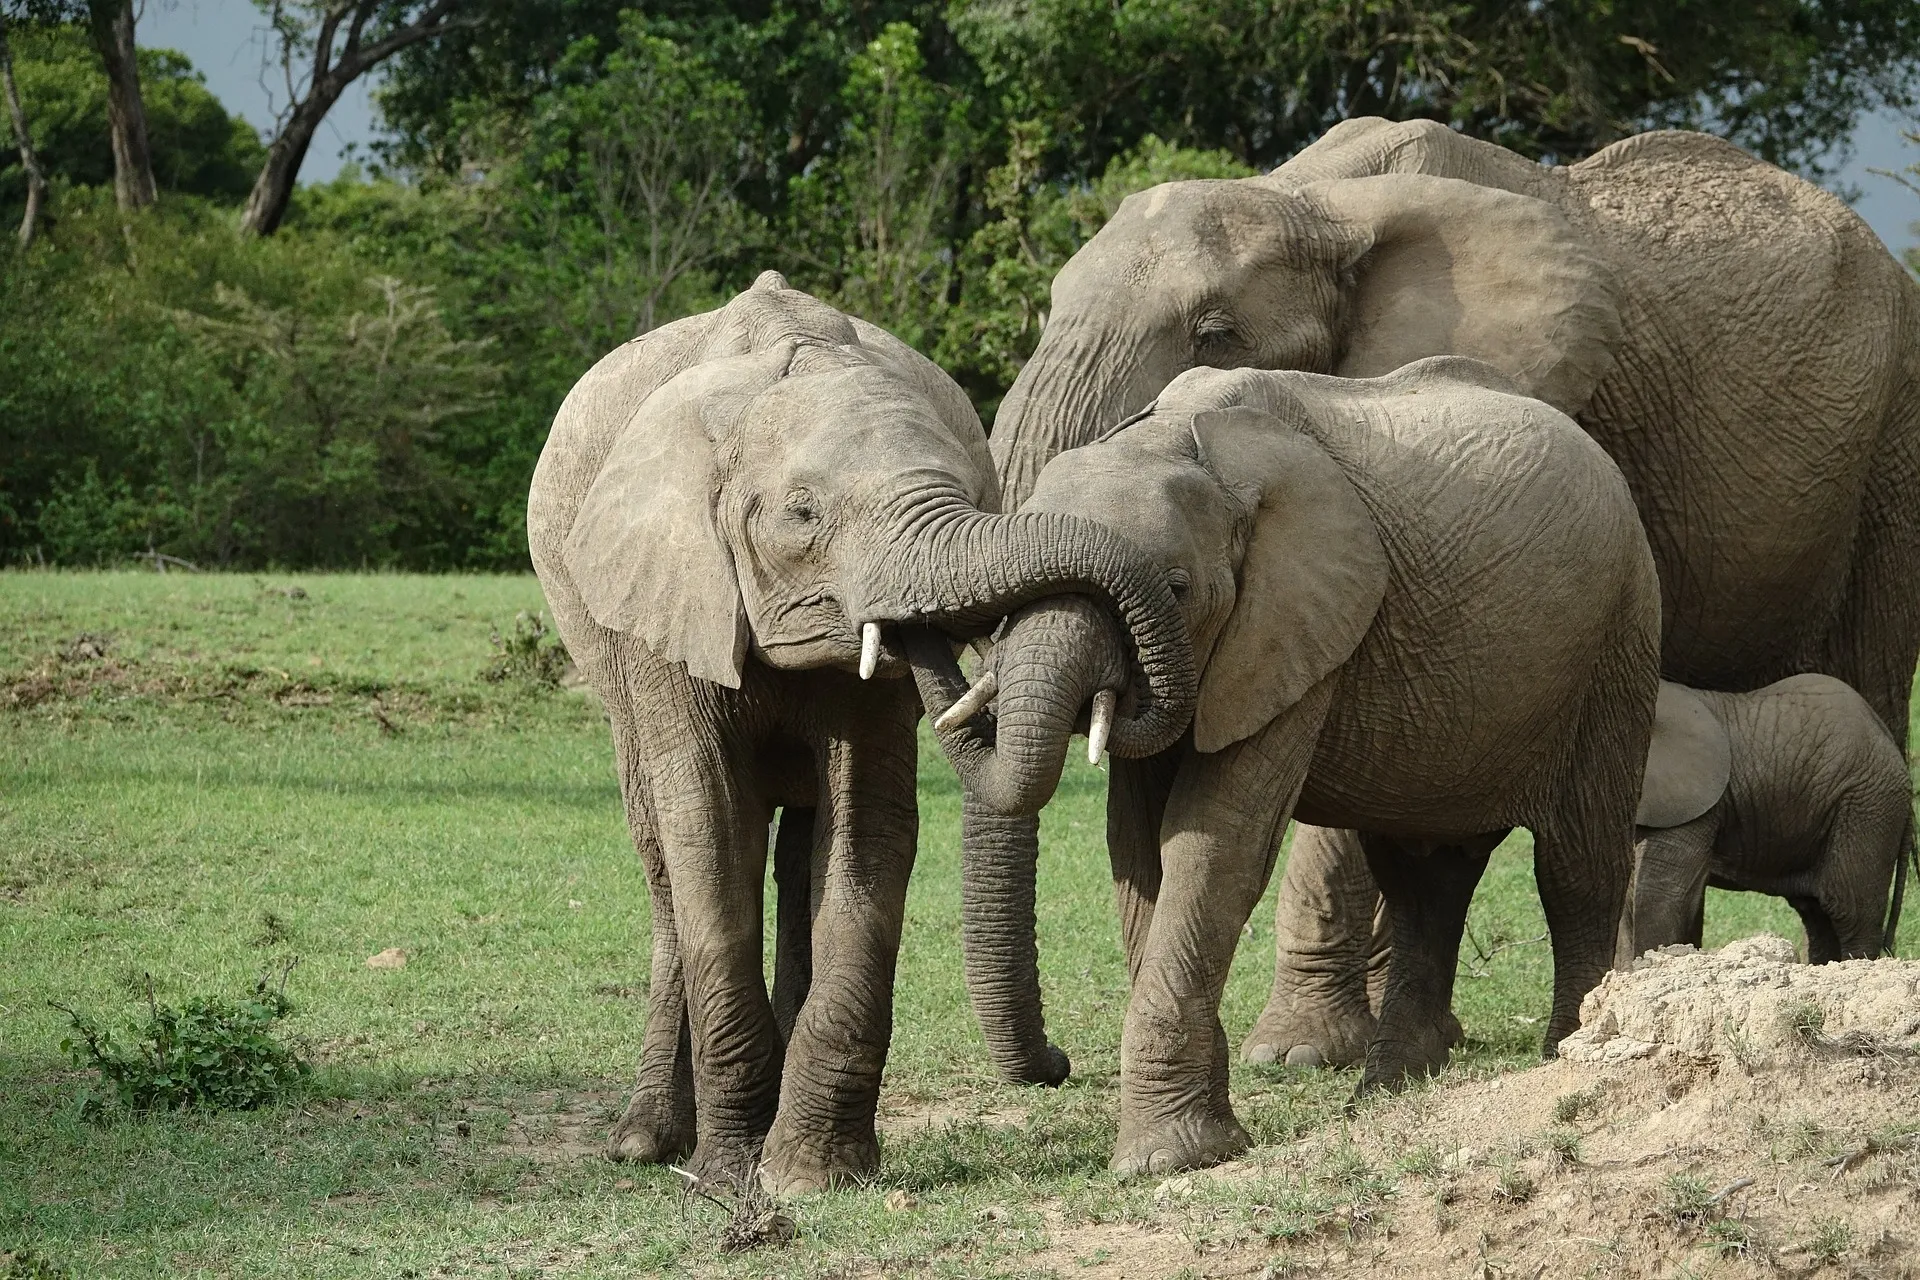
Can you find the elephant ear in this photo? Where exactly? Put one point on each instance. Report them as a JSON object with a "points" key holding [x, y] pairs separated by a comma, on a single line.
{"points": [[645, 550], [1310, 582], [1460, 269], [1689, 760]]}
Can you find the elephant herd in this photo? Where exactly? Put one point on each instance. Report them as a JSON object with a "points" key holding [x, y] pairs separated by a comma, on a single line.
{"points": [[1414, 491]]}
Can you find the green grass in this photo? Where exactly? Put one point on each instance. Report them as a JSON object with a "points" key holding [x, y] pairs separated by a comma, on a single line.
{"points": [[251, 774]]}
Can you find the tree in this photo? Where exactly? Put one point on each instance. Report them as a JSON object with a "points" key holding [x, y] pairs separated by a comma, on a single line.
{"points": [[110, 23], [29, 162], [325, 45]]}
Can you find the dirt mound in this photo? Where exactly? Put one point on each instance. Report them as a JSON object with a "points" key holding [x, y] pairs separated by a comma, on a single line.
{"points": [[1726, 1114]]}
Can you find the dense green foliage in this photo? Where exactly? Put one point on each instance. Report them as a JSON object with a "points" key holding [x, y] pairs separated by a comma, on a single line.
{"points": [[371, 385], [223, 1055]]}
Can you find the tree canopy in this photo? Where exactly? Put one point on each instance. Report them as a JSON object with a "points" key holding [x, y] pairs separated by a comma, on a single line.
{"points": [[371, 384]]}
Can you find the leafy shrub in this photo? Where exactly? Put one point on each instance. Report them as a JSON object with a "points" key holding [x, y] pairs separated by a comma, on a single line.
{"points": [[26, 1264], [524, 654], [213, 1053]]}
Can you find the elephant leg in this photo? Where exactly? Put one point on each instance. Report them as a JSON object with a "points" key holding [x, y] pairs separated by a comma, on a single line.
{"points": [[1670, 884], [1583, 867], [1866, 838], [1000, 857], [1219, 836], [824, 1134], [1330, 937], [658, 1126], [793, 915], [1428, 887]]}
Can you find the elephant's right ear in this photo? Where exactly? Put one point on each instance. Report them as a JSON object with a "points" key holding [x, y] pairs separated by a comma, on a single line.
{"points": [[645, 549], [1459, 269], [1689, 760], [1310, 582]]}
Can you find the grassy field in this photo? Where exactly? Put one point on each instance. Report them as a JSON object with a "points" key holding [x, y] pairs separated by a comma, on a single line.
{"points": [[311, 766]]}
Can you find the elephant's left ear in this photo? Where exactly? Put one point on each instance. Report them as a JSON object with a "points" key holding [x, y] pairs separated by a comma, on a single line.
{"points": [[645, 550], [1689, 760], [1311, 580], [1454, 268]]}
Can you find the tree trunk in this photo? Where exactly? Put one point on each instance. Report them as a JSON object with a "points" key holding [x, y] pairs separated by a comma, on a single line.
{"points": [[267, 202], [111, 22], [36, 179]]}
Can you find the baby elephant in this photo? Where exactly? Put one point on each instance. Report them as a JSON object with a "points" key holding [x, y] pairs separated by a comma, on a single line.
{"points": [[1795, 790]]}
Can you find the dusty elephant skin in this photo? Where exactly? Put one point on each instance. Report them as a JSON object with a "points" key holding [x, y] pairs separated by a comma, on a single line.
{"points": [[1422, 606], [1736, 339], [735, 520], [1795, 790]]}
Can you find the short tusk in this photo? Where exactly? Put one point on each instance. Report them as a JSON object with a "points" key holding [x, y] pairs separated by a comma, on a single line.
{"points": [[970, 703], [1101, 725], [869, 649]]}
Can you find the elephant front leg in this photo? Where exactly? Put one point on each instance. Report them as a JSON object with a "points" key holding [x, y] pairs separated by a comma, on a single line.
{"points": [[1669, 890], [1326, 947], [1428, 888], [868, 823], [1219, 835]]}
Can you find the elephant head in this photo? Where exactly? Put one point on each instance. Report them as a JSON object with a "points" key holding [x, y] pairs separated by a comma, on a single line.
{"points": [[1350, 275], [778, 479]]}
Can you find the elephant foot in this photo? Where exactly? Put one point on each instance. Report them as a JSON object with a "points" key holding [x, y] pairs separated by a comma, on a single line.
{"points": [[796, 1168], [1392, 1062], [649, 1133], [1191, 1141], [1304, 1033], [726, 1165], [1051, 1068]]}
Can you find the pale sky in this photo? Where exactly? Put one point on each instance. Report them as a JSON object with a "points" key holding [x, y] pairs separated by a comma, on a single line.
{"points": [[225, 40]]}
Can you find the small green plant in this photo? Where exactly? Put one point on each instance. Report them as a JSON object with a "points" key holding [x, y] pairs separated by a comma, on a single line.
{"points": [[213, 1053], [1569, 1107], [1687, 1201], [1423, 1161], [27, 1264], [1806, 1023], [1513, 1184], [1732, 1238], [526, 654], [1563, 1147], [1832, 1237]]}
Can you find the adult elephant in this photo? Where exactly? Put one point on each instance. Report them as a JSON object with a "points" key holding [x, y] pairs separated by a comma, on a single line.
{"points": [[731, 518], [1736, 339]]}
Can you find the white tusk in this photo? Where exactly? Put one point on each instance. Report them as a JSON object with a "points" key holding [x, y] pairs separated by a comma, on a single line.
{"points": [[869, 649], [970, 703], [1101, 725]]}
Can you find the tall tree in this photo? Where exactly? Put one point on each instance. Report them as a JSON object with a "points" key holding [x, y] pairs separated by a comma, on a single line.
{"points": [[17, 116], [325, 45], [110, 22]]}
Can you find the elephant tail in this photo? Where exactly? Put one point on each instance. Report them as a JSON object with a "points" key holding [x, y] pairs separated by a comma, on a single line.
{"points": [[1909, 856]]}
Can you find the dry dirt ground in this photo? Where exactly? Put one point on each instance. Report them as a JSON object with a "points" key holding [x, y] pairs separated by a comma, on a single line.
{"points": [[1727, 1114]]}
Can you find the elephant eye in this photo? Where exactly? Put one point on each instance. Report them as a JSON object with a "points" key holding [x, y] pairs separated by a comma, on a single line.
{"points": [[1215, 333], [802, 506], [1177, 583]]}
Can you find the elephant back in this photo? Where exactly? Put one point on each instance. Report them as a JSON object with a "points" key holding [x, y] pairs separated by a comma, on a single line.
{"points": [[1368, 146]]}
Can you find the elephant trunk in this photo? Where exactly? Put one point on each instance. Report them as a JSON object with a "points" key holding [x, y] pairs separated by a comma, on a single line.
{"points": [[1077, 385], [983, 567], [998, 862]]}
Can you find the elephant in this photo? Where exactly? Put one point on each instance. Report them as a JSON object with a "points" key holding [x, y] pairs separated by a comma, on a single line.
{"points": [[735, 519], [1806, 796], [1422, 606], [1736, 339]]}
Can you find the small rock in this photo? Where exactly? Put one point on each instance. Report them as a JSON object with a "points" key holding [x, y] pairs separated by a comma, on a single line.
{"points": [[900, 1201], [574, 904], [1458, 1160], [1179, 1188], [993, 1213], [625, 1184], [391, 958]]}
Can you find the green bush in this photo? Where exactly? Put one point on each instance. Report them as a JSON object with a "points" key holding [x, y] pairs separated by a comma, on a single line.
{"points": [[218, 1054]]}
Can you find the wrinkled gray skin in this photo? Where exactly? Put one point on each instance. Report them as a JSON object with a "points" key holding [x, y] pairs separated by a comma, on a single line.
{"points": [[1813, 804], [1423, 607], [1736, 339], [721, 506]]}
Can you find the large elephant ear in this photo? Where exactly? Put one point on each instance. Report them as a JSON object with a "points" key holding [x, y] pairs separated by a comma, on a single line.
{"points": [[1689, 760], [645, 550], [1310, 582], [1461, 269]]}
